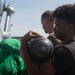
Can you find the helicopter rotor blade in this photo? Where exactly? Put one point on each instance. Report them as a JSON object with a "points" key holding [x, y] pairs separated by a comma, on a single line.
{"points": [[1, 7]]}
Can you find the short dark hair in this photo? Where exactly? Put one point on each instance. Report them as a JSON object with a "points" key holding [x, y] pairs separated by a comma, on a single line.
{"points": [[66, 11], [47, 14]]}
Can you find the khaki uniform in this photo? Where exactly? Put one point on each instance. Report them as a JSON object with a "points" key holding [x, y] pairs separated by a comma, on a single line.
{"points": [[53, 39]]}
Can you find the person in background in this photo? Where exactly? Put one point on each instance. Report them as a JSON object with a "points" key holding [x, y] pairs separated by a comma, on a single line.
{"points": [[63, 62], [47, 21], [10, 61]]}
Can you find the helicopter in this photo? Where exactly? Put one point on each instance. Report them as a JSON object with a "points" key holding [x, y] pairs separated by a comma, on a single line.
{"points": [[9, 12]]}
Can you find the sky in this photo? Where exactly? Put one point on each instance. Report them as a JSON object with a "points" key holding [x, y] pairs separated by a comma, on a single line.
{"points": [[27, 14]]}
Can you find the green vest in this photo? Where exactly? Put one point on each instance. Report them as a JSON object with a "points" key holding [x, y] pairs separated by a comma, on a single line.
{"points": [[10, 61]]}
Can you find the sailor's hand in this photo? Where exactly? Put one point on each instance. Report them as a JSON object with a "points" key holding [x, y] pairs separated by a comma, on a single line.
{"points": [[28, 36], [25, 41]]}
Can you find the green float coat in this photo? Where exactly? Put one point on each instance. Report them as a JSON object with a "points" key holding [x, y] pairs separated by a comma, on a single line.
{"points": [[10, 61]]}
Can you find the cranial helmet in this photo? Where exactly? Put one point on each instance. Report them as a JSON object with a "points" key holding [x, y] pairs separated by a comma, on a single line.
{"points": [[41, 49]]}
